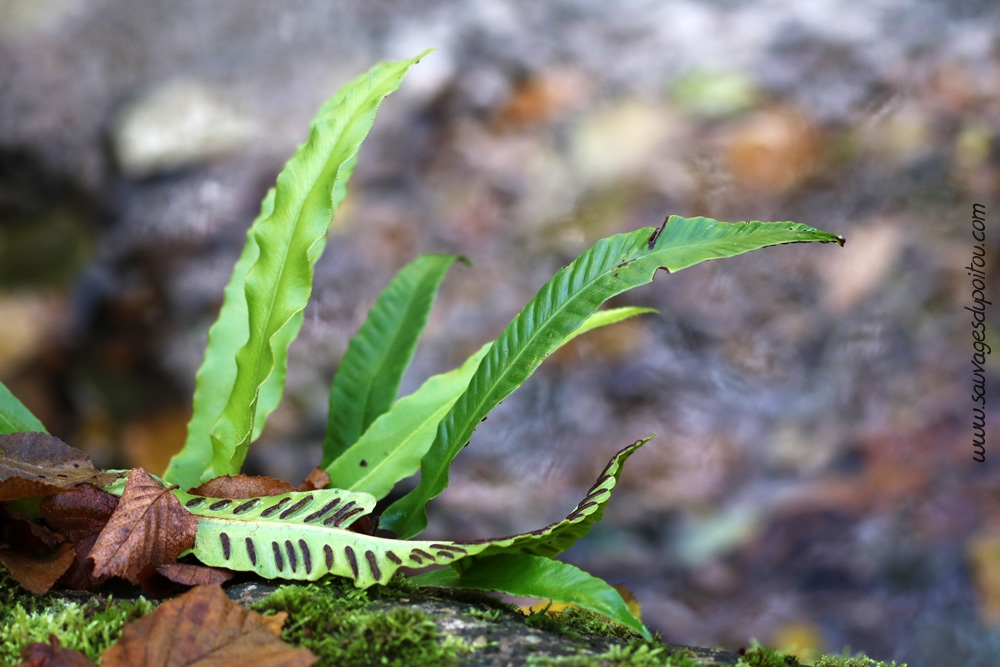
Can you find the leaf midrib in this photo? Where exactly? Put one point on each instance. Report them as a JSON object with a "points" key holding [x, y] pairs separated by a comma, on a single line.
{"points": [[266, 340]]}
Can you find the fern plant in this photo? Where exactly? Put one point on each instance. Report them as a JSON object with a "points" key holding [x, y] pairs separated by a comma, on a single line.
{"points": [[374, 439]]}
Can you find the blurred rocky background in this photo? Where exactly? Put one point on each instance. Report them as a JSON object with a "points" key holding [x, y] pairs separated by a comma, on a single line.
{"points": [[812, 482]]}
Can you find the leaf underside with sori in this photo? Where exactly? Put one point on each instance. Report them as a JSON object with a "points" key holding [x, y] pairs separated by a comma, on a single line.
{"points": [[560, 536], [302, 535], [612, 266], [368, 378]]}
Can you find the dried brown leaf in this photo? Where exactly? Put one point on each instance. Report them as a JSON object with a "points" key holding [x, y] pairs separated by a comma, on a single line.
{"points": [[205, 628], [190, 574], [37, 573], [79, 513], [80, 575], [317, 479], [37, 464], [18, 532], [149, 527], [52, 655], [172, 579], [240, 486]]}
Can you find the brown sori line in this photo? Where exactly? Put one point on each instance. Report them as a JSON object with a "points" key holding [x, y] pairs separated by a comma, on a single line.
{"points": [[596, 494], [252, 552], [416, 559], [225, 545], [306, 556], [600, 480], [421, 553], [328, 553], [290, 550], [352, 560], [326, 508], [347, 516], [394, 558], [278, 560], [245, 507], [194, 502], [296, 507], [373, 564], [584, 506], [449, 547], [220, 504], [446, 554], [274, 509], [574, 515], [338, 515]]}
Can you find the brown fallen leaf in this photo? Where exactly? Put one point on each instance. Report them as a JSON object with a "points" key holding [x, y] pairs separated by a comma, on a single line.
{"points": [[52, 655], [79, 515], [164, 581], [17, 531], [205, 628], [317, 479], [35, 556], [149, 527], [80, 574], [37, 573], [236, 487], [191, 574], [37, 464]]}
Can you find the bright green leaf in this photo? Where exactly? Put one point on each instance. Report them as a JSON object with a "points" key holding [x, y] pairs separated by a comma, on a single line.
{"points": [[612, 266], [215, 378], [368, 378], [525, 575], [603, 318], [289, 241], [391, 448], [14, 417]]}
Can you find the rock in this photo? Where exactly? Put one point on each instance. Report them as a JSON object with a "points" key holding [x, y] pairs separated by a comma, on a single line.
{"points": [[178, 124]]}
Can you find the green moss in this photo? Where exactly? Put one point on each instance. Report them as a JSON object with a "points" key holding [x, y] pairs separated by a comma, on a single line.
{"points": [[638, 653], [88, 627], [575, 622], [763, 656], [344, 626], [856, 661]]}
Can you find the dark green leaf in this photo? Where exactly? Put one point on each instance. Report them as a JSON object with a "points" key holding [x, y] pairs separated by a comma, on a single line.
{"points": [[537, 577], [612, 266], [368, 378]]}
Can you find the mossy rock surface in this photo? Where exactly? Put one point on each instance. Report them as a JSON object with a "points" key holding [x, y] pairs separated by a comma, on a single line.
{"points": [[397, 624]]}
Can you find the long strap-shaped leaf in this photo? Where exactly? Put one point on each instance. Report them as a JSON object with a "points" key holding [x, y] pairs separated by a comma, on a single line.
{"points": [[612, 266], [14, 417], [301, 535], [556, 538], [391, 448], [525, 575], [215, 378], [369, 375], [289, 242]]}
